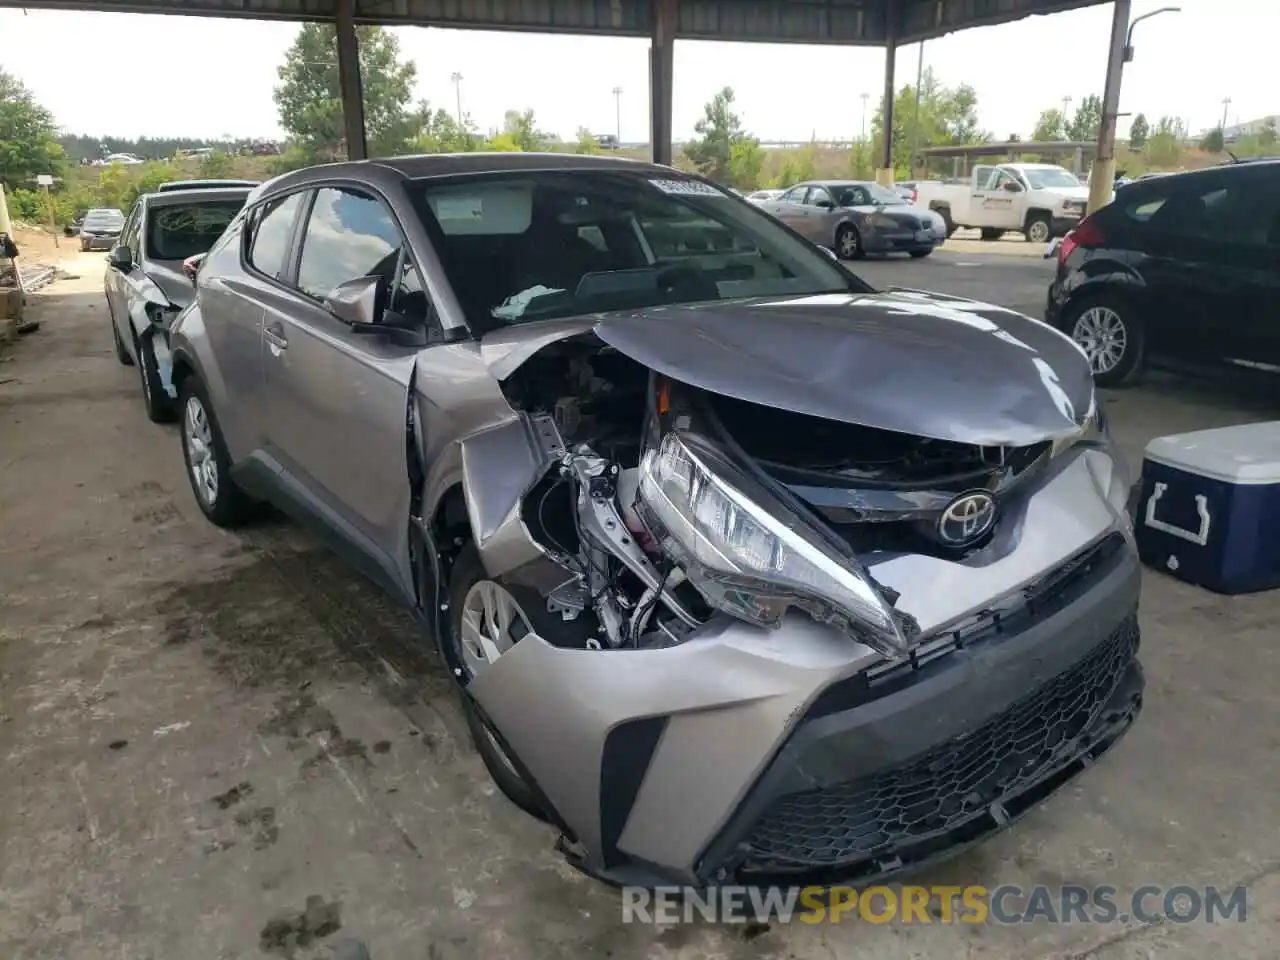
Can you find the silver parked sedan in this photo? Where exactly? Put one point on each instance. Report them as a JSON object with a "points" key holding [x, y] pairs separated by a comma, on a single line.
{"points": [[856, 217], [745, 570]]}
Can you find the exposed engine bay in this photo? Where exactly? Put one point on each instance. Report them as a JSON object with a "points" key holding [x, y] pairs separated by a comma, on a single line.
{"points": [[668, 503]]}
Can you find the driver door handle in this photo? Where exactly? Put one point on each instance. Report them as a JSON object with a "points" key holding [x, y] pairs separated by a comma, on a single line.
{"points": [[273, 333]]}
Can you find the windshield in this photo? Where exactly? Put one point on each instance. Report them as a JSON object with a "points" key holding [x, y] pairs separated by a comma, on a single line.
{"points": [[884, 196], [104, 218], [183, 230], [537, 246], [1042, 177]]}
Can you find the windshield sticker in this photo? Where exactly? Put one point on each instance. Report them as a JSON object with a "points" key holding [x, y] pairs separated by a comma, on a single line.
{"points": [[459, 208], [688, 188]]}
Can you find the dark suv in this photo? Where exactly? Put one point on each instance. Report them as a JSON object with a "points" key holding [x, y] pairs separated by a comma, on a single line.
{"points": [[1182, 269]]}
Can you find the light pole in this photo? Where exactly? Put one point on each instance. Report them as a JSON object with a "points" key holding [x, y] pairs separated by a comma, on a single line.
{"points": [[457, 94], [865, 97], [1226, 102], [1102, 179], [617, 110], [1066, 106], [915, 124]]}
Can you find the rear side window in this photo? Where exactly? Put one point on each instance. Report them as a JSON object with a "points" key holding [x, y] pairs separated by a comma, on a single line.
{"points": [[1143, 210], [349, 235], [181, 231], [269, 235], [1223, 209]]}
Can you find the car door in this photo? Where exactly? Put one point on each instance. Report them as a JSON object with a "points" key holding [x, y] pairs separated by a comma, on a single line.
{"points": [[243, 274], [114, 281], [336, 395], [1001, 200], [1201, 278], [790, 207], [819, 222]]}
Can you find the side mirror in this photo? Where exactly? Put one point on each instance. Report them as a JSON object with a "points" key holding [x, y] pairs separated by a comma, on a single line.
{"points": [[357, 302], [825, 205], [120, 258]]}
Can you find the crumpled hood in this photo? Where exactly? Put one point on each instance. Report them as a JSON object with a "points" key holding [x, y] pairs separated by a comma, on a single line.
{"points": [[904, 360]]}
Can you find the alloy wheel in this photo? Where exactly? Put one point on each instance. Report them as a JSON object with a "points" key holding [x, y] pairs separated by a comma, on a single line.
{"points": [[200, 456], [848, 243], [1103, 336], [492, 622], [1038, 232]]}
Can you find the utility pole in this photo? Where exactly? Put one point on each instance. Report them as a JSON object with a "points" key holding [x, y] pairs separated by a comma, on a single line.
{"points": [[1226, 102], [456, 77], [1066, 107], [1102, 178], [915, 125], [865, 98], [617, 109]]}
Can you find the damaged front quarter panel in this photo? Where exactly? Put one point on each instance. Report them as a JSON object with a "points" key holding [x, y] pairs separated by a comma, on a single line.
{"points": [[151, 313]]}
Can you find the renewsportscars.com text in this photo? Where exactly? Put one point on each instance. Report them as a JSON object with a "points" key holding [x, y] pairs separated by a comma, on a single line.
{"points": [[937, 904]]}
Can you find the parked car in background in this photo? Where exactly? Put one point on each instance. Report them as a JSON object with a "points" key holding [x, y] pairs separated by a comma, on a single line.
{"points": [[759, 196], [100, 228], [147, 282], [855, 217], [906, 189], [1040, 200], [124, 159], [678, 569], [1181, 269]]}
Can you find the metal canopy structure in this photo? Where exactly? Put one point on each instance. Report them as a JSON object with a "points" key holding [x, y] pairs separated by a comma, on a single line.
{"points": [[883, 23]]}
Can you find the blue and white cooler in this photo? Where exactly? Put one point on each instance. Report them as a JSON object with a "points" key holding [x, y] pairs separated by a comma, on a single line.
{"points": [[1209, 507]]}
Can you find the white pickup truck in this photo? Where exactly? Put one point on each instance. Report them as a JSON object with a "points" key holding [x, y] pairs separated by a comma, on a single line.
{"points": [[1040, 200]]}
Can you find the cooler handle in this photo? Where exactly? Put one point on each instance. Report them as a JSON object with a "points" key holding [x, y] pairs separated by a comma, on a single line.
{"points": [[1202, 508]]}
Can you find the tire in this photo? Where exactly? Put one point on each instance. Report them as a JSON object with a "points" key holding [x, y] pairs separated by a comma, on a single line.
{"points": [[1097, 313], [122, 354], [849, 243], [229, 506], [919, 254], [947, 223], [467, 572], [1039, 229], [84, 247], [989, 234], [154, 399]]}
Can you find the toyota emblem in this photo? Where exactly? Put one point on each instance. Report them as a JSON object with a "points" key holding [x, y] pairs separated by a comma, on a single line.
{"points": [[967, 519]]}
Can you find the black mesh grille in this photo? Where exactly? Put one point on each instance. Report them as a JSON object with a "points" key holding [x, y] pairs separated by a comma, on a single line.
{"points": [[949, 784]]}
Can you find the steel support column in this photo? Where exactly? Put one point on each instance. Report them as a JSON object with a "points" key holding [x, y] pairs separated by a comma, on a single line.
{"points": [[884, 172], [666, 14], [349, 82], [1103, 175]]}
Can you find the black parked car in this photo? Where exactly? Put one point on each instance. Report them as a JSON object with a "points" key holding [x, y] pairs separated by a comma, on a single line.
{"points": [[1182, 269]]}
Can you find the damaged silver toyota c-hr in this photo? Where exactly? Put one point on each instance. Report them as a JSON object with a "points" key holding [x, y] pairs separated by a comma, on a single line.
{"points": [[745, 570]]}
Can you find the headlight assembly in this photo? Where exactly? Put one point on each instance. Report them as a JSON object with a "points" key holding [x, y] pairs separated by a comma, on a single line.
{"points": [[881, 222], [749, 554]]}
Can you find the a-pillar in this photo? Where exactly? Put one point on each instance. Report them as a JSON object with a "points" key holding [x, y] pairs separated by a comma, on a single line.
{"points": [[349, 82], [662, 42], [884, 172]]}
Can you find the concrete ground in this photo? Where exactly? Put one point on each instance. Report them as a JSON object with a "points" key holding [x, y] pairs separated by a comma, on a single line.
{"points": [[224, 745]]}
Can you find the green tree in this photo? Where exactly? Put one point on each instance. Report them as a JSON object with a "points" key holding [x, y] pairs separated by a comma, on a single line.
{"points": [[1164, 145], [1049, 127], [587, 142], [1213, 141], [502, 142], [309, 98], [1087, 120], [441, 133], [28, 138], [720, 133], [1267, 136], [521, 128], [948, 116], [1139, 130]]}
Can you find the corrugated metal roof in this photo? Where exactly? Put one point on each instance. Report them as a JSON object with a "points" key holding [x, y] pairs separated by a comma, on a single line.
{"points": [[858, 22]]}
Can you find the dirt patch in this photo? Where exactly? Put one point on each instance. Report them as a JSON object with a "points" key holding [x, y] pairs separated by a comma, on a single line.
{"points": [[290, 929]]}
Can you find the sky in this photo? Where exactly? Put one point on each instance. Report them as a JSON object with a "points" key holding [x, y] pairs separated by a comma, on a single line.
{"points": [[202, 77]]}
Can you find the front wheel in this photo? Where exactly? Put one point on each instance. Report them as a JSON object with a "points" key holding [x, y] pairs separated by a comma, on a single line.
{"points": [[1039, 230], [208, 463], [485, 621], [1111, 336], [848, 243]]}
